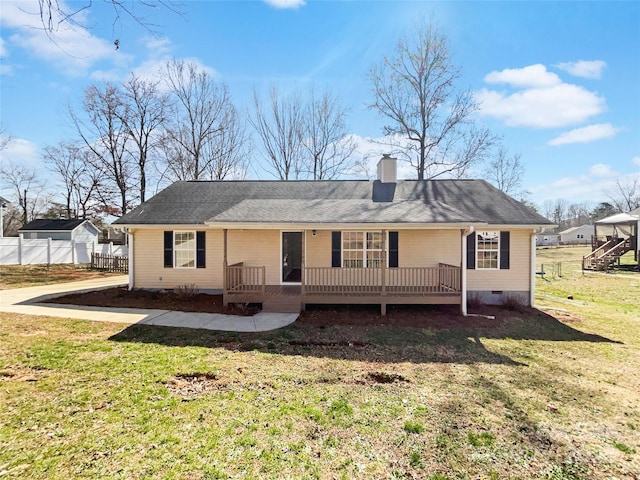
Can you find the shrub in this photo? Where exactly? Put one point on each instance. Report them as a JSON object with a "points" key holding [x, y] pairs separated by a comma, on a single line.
{"points": [[513, 302], [475, 301], [187, 291]]}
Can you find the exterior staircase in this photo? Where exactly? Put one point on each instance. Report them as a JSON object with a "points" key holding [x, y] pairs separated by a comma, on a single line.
{"points": [[602, 258]]}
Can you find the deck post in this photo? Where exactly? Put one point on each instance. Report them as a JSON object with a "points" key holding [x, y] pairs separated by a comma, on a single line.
{"points": [[463, 269], [224, 266], [304, 235], [384, 265]]}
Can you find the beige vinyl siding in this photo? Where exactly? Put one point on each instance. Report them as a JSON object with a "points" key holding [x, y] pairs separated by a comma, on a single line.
{"points": [[256, 248], [516, 278], [416, 248], [427, 248], [318, 249], [148, 257]]}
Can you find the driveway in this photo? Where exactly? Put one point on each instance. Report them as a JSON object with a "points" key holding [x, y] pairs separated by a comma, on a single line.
{"points": [[25, 301]]}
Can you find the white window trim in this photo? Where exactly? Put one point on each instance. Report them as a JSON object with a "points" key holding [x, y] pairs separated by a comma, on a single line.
{"points": [[478, 267], [364, 250], [195, 249]]}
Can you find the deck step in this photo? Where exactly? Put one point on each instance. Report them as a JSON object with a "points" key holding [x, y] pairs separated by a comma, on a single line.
{"points": [[282, 306]]}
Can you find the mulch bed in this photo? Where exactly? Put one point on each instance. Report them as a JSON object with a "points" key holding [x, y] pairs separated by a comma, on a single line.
{"points": [[421, 316], [121, 297]]}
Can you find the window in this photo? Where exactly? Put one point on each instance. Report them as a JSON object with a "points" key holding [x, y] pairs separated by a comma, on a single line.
{"points": [[184, 248], [362, 250], [488, 250]]}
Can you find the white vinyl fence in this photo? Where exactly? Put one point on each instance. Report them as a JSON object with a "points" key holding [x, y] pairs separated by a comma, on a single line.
{"points": [[20, 251]]}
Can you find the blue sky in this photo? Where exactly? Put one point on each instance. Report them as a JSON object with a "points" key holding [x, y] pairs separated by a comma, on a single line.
{"points": [[559, 81]]}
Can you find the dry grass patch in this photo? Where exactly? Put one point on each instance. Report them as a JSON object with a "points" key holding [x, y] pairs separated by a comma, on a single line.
{"points": [[18, 276]]}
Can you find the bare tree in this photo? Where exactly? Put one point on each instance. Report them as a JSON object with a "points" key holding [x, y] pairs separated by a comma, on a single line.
{"points": [[328, 148], [4, 138], [28, 187], [278, 126], [144, 116], [556, 211], [201, 110], [55, 13], [230, 148], [79, 180], [626, 194], [106, 136], [505, 171], [415, 91]]}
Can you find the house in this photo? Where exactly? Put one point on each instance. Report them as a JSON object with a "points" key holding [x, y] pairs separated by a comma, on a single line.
{"points": [[547, 238], [291, 243], [577, 235], [613, 237], [78, 230]]}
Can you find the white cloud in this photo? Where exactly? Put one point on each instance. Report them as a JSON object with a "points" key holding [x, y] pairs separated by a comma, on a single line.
{"points": [[584, 187], [636, 161], [282, 4], [158, 46], [584, 134], [71, 48], [150, 70], [602, 170], [3, 49], [583, 68], [555, 106], [531, 76], [20, 151], [589, 186]]}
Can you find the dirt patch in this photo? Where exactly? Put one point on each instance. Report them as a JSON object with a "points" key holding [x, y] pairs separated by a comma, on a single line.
{"points": [[190, 385], [121, 297], [383, 377]]}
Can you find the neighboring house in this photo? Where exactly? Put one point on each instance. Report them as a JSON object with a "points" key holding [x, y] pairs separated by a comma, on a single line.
{"points": [[291, 243], [547, 238], [577, 235], [78, 230]]}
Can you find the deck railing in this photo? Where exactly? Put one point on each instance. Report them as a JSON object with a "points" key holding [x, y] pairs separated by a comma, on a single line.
{"points": [[353, 281], [392, 281], [241, 279]]}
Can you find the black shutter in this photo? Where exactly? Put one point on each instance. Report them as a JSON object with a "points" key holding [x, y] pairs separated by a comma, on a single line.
{"points": [[393, 249], [471, 252], [504, 250], [336, 249], [168, 249], [200, 249]]}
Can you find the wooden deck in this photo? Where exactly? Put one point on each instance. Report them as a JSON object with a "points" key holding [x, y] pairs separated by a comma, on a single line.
{"points": [[433, 285]]}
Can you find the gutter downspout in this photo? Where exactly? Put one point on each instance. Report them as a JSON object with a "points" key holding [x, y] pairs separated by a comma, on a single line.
{"points": [[532, 267], [463, 270], [131, 263]]}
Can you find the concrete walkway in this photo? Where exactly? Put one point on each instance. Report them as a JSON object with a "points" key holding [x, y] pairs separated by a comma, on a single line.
{"points": [[25, 301]]}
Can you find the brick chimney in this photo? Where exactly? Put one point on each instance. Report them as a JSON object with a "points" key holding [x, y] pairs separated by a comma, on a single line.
{"points": [[387, 169]]}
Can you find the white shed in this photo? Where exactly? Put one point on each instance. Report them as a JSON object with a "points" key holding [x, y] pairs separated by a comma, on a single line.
{"points": [[79, 230]]}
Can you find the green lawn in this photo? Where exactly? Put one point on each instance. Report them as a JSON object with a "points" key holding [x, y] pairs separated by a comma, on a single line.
{"points": [[549, 394]]}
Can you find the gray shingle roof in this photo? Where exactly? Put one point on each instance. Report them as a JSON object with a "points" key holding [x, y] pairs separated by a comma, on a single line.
{"points": [[337, 201], [49, 224]]}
